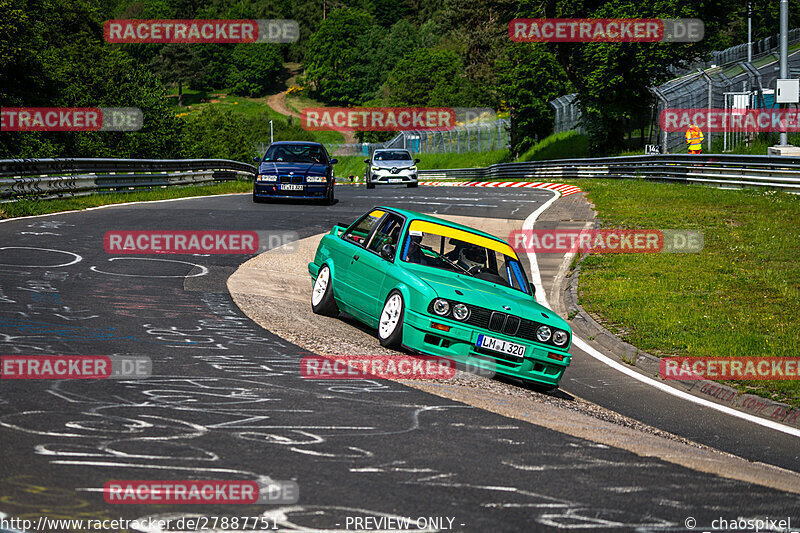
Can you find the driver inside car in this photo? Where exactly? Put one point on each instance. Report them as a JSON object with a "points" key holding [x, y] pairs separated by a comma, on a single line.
{"points": [[472, 257]]}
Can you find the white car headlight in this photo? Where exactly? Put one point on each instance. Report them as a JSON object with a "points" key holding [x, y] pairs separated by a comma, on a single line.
{"points": [[315, 179], [441, 306], [413, 169], [375, 168], [543, 333], [560, 337], [460, 312], [267, 177]]}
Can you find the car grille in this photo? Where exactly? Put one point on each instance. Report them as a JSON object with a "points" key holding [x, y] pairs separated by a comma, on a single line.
{"points": [[291, 179], [510, 325]]}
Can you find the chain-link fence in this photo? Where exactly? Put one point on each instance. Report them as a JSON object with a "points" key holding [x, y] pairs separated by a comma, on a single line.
{"points": [[479, 137], [741, 85], [726, 72]]}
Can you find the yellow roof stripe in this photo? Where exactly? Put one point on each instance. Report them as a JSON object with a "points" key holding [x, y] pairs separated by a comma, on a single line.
{"points": [[461, 235], [377, 213]]}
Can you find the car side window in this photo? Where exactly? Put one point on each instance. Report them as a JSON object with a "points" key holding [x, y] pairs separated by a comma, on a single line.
{"points": [[359, 233], [387, 233]]}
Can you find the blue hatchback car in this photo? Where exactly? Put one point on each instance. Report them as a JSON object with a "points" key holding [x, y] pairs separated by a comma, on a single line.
{"points": [[295, 169]]}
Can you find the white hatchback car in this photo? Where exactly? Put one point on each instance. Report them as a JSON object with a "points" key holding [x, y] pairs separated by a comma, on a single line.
{"points": [[391, 167]]}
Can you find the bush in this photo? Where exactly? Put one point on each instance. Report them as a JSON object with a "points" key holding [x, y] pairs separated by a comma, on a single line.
{"points": [[565, 145]]}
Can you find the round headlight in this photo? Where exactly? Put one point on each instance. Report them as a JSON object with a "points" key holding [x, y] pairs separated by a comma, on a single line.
{"points": [[441, 307], [543, 333], [460, 312], [560, 337]]}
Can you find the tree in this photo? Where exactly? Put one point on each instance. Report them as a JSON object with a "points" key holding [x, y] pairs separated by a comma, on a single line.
{"points": [[176, 63], [428, 78], [529, 77], [333, 52], [254, 69]]}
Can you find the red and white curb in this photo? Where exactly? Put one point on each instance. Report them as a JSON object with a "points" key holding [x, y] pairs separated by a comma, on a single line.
{"points": [[563, 188]]}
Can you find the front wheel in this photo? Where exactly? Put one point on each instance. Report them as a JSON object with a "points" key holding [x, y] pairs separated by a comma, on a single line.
{"points": [[413, 185], [329, 198], [322, 302], [370, 185], [390, 327]]}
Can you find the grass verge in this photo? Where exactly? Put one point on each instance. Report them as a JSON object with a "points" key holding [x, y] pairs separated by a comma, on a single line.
{"points": [[739, 297], [41, 207]]}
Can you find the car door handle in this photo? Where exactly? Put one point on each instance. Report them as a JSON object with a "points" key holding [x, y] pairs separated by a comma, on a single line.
{"points": [[355, 258]]}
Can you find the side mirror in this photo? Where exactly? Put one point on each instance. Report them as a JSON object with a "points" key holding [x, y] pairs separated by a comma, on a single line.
{"points": [[387, 252], [257, 159], [334, 161], [416, 161], [533, 288], [366, 161]]}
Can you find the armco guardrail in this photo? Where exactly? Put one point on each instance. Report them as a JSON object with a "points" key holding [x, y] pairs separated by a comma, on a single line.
{"points": [[56, 178], [779, 172]]}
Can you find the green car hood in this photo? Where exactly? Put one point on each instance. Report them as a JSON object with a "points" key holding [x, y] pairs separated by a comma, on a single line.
{"points": [[486, 294]]}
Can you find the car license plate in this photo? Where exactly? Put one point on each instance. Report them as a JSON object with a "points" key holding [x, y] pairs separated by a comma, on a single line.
{"points": [[395, 180], [499, 345], [291, 187]]}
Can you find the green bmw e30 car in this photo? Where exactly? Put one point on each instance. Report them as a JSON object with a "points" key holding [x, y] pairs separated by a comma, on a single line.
{"points": [[442, 289]]}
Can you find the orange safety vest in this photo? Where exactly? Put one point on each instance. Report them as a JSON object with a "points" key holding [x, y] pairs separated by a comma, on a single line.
{"points": [[694, 138]]}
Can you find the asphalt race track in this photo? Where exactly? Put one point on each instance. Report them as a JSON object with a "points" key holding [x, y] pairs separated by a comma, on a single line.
{"points": [[226, 400]]}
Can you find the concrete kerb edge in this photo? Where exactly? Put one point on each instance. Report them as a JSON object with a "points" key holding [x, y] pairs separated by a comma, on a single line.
{"points": [[593, 331]]}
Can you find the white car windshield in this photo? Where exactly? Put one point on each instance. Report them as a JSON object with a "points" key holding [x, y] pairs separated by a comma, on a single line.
{"points": [[400, 155]]}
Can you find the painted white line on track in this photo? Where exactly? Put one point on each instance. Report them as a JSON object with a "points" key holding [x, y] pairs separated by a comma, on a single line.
{"points": [[121, 204], [541, 297]]}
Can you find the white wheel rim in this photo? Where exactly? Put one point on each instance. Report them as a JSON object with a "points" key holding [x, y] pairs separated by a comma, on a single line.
{"points": [[321, 285], [390, 316]]}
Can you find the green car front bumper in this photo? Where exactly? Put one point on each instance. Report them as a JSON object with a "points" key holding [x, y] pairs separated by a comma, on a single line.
{"points": [[460, 344]]}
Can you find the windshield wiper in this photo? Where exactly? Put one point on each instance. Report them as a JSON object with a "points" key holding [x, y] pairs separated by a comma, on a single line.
{"points": [[448, 261]]}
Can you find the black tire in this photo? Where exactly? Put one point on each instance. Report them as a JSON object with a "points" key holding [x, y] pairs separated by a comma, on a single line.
{"points": [[395, 338], [413, 185], [327, 305], [256, 199], [370, 185], [330, 199]]}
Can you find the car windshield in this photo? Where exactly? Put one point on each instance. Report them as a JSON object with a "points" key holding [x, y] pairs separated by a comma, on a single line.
{"points": [[443, 247], [295, 153], [401, 155]]}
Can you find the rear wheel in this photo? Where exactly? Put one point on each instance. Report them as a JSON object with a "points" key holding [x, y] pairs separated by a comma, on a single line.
{"points": [[390, 327], [322, 302]]}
